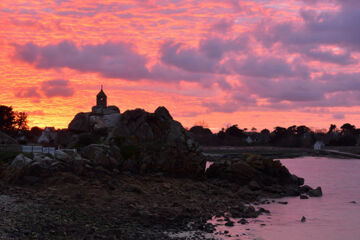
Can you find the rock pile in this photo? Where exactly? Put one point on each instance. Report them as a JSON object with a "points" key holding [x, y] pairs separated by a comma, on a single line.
{"points": [[254, 170], [135, 141], [259, 173]]}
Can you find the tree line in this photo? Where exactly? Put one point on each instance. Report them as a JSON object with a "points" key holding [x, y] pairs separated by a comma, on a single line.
{"points": [[293, 136], [11, 120]]}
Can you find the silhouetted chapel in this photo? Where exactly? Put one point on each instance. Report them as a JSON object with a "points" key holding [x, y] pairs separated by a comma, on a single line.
{"points": [[101, 105], [101, 99]]}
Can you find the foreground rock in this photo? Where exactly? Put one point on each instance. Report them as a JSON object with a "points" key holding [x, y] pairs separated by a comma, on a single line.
{"points": [[93, 199], [118, 206], [258, 173]]}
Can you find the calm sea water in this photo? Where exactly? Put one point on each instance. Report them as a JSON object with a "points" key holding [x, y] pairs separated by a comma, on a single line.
{"points": [[331, 217]]}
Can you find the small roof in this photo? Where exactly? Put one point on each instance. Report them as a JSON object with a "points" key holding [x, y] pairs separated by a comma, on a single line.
{"points": [[101, 93]]}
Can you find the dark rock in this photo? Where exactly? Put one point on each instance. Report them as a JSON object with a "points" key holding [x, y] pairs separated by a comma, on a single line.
{"points": [[250, 212], [315, 192], [302, 196], [303, 219], [209, 228], [263, 210], [31, 180], [229, 223], [155, 143], [253, 185], [80, 123], [103, 155], [305, 189], [354, 202], [243, 221], [291, 191], [256, 171], [163, 113], [20, 161], [284, 203]]}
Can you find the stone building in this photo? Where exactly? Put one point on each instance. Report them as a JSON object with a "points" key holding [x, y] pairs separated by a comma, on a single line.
{"points": [[101, 99], [101, 105], [100, 117]]}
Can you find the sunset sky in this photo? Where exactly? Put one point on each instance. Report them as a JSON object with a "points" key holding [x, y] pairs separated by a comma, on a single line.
{"points": [[258, 63]]}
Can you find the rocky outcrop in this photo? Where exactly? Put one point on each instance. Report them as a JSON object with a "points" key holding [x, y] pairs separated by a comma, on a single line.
{"points": [[154, 142], [40, 165], [102, 159], [99, 118], [136, 141], [103, 155], [80, 123], [317, 192], [254, 170]]}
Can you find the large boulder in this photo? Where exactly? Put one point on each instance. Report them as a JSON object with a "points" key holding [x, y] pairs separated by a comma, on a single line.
{"points": [[20, 161], [317, 192], [40, 166], [154, 142], [103, 155], [111, 120], [96, 122], [111, 110], [163, 113], [254, 169], [80, 123]]}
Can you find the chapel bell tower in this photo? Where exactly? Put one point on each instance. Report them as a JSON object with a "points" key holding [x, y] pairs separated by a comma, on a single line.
{"points": [[101, 99]]}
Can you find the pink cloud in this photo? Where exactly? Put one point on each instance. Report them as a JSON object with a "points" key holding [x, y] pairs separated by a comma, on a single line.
{"points": [[112, 60], [57, 88], [31, 92]]}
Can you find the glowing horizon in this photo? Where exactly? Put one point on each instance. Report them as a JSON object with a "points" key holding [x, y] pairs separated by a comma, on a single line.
{"points": [[253, 63]]}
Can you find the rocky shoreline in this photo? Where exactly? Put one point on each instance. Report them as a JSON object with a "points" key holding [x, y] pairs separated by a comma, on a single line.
{"points": [[111, 205], [143, 177]]}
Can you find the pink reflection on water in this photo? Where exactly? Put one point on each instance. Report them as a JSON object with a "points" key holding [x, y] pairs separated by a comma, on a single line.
{"points": [[331, 217], [208, 164]]}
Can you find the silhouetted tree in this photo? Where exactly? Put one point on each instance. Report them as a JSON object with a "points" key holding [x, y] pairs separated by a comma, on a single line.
{"points": [[200, 130], [36, 131], [10, 120], [279, 132], [265, 132], [301, 130], [7, 118], [234, 131], [332, 128], [291, 130], [347, 128], [21, 121]]}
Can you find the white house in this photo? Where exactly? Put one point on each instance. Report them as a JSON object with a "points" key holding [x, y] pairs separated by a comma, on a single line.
{"points": [[319, 145], [249, 140]]}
